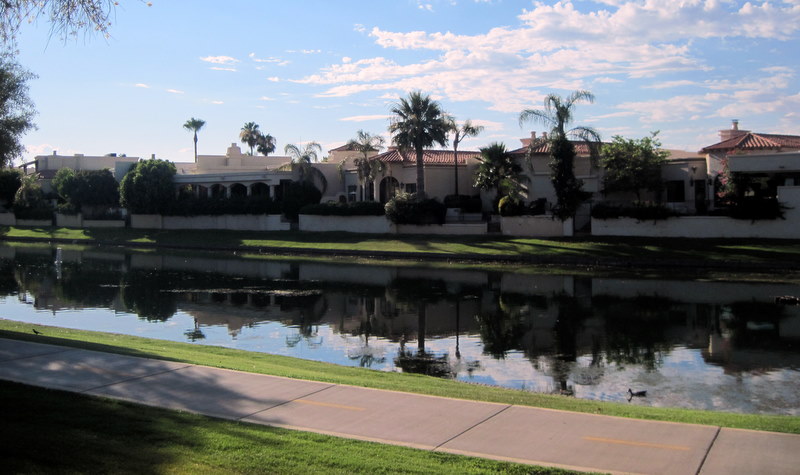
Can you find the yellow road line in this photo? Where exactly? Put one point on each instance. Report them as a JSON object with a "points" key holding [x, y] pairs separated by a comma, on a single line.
{"points": [[329, 404], [637, 444]]}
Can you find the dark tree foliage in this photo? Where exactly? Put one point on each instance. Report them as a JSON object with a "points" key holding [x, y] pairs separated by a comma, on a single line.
{"points": [[10, 181], [568, 188], [148, 187], [297, 195], [16, 109], [87, 188], [633, 165]]}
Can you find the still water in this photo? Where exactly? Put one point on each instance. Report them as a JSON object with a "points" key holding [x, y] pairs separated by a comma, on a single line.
{"points": [[705, 344]]}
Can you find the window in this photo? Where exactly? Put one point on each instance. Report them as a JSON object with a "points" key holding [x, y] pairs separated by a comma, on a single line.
{"points": [[675, 191], [411, 187], [351, 192]]}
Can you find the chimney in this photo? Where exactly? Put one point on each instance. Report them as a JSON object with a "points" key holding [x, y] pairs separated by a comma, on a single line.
{"points": [[732, 132], [153, 156], [533, 136], [544, 135]]}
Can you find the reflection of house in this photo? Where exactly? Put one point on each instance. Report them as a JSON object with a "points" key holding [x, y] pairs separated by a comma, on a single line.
{"points": [[46, 166]]}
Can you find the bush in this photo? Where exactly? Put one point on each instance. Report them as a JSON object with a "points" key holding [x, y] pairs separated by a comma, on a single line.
{"points": [[356, 208], [10, 181], [467, 204], [148, 187], [637, 211], [510, 207], [408, 209], [29, 201], [296, 196], [193, 206], [755, 208]]}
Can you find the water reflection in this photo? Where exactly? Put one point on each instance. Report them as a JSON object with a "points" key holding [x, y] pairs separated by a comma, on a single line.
{"points": [[705, 344]]}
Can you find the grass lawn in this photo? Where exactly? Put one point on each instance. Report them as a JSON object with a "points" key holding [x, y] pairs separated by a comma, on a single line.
{"points": [[316, 371], [47, 431], [589, 250]]}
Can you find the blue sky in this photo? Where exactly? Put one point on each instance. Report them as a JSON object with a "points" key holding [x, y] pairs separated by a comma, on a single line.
{"points": [[321, 70]]}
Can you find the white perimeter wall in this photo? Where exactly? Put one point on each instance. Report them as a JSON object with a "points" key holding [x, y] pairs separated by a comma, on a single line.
{"points": [[711, 226]]}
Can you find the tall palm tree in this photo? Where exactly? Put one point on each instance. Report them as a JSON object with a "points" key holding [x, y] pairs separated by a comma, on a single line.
{"points": [[194, 125], [302, 160], [265, 144], [557, 114], [367, 169], [418, 123], [249, 135], [467, 129]]}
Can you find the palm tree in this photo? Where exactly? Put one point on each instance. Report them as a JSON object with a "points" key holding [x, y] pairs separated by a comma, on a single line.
{"points": [[557, 114], [367, 169], [302, 160], [467, 129], [499, 170], [265, 144], [194, 125], [249, 135], [418, 123]]}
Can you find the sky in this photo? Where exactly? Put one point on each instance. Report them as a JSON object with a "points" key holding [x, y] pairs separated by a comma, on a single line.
{"points": [[320, 70]]}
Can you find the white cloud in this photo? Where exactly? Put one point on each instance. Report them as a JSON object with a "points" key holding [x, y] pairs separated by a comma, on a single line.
{"points": [[217, 68], [40, 149], [265, 98], [174, 91], [364, 118], [217, 102], [220, 60], [273, 79], [142, 85]]}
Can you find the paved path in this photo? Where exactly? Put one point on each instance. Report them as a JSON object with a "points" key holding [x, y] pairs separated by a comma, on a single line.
{"points": [[500, 431]]}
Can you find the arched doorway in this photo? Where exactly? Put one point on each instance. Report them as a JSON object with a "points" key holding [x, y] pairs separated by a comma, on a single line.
{"points": [[259, 189], [238, 190], [218, 191], [389, 187]]}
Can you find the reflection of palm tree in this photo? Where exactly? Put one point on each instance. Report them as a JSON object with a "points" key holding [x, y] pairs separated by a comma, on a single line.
{"points": [[195, 334]]}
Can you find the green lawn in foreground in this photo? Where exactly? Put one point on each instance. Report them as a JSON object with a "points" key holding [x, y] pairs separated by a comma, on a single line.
{"points": [[568, 250], [47, 431], [303, 369]]}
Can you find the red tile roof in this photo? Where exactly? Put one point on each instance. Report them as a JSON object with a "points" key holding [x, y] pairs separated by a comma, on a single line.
{"points": [[754, 141], [429, 157], [543, 148]]}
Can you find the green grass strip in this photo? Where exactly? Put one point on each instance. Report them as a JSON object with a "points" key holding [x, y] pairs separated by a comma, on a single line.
{"points": [[48, 431], [590, 250], [316, 371]]}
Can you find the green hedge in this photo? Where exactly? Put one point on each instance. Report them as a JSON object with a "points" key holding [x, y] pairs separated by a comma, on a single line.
{"points": [[193, 206], [408, 209], [356, 208], [638, 211]]}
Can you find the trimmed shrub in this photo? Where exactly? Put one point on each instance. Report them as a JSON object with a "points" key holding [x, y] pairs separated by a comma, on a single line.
{"points": [[510, 207], [467, 204], [755, 208], [638, 211], [296, 196], [356, 208], [193, 206], [408, 209], [148, 187]]}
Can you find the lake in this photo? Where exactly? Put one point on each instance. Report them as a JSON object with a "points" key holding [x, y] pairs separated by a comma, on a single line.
{"points": [[689, 342]]}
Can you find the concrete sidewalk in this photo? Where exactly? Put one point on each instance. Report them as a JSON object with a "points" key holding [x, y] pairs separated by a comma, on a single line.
{"points": [[516, 433]]}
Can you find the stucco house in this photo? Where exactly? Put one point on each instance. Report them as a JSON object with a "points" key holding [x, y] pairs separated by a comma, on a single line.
{"points": [[46, 166]]}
